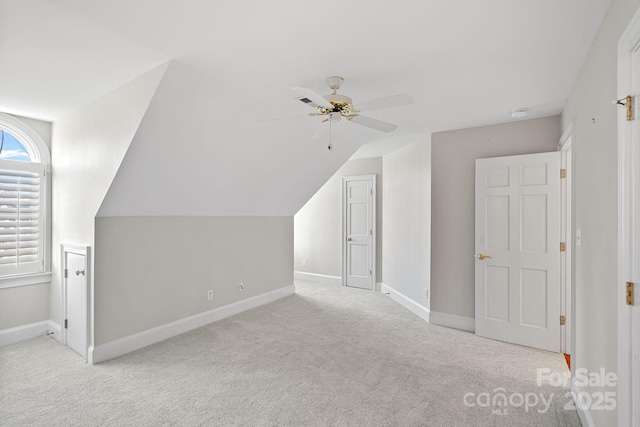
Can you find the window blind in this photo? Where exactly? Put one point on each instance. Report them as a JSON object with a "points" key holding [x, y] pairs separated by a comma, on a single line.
{"points": [[21, 228]]}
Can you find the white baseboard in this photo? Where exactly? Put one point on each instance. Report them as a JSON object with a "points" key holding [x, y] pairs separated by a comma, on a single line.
{"points": [[453, 321], [320, 278], [142, 339], [24, 332], [409, 304], [378, 286], [584, 414], [443, 319]]}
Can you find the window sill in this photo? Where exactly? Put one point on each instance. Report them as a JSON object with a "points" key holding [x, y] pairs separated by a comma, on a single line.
{"points": [[24, 280]]}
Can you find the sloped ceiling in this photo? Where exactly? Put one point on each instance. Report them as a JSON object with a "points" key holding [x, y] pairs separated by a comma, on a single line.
{"points": [[202, 149]]}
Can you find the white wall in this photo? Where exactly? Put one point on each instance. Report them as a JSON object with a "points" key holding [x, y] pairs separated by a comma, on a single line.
{"points": [[87, 148], [453, 200], [26, 304], [407, 220], [264, 167], [43, 129], [318, 224], [594, 122], [150, 271]]}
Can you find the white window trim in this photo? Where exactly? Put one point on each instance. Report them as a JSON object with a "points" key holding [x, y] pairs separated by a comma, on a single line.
{"points": [[24, 280], [39, 153]]}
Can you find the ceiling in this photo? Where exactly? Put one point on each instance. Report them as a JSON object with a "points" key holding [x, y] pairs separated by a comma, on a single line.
{"points": [[467, 63]]}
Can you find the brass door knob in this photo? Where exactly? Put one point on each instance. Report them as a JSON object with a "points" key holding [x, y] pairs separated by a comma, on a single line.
{"points": [[349, 239], [482, 256]]}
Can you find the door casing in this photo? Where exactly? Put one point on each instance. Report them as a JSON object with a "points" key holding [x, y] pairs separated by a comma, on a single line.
{"points": [[566, 229]]}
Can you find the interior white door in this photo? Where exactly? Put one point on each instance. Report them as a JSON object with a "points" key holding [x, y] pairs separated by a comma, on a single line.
{"points": [[629, 226], [75, 322], [635, 251], [517, 242], [359, 230]]}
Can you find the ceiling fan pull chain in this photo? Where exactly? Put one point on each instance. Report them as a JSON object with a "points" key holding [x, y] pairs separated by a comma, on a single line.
{"points": [[330, 127]]}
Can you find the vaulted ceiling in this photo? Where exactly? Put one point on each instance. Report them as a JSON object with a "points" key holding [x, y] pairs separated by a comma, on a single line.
{"points": [[466, 63]]}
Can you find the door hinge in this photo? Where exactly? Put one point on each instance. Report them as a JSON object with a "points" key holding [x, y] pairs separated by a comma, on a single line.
{"points": [[563, 173], [371, 191], [371, 232], [563, 246], [370, 272], [563, 320], [630, 294], [627, 101], [66, 273], [65, 323]]}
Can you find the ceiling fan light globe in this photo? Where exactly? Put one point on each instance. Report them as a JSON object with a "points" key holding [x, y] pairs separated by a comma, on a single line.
{"points": [[335, 82], [335, 117]]}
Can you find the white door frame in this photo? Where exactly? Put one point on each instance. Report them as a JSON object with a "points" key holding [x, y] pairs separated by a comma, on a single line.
{"points": [[566, 230], [346, 179], [628, 169], [86, 252]]}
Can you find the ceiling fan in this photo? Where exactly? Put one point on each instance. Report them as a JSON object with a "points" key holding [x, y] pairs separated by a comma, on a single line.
{"points": [[336, 106]]}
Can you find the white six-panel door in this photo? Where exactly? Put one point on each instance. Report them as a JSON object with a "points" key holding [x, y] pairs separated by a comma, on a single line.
{"points": [[359, 231], [517, 266]]}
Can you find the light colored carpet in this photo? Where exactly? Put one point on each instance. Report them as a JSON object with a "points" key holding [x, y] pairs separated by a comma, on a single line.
{"points": [[326, 356]]}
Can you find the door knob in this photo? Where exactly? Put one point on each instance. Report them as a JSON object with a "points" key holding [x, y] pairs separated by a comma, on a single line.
{"points": [[349, 239], [482, 256], [79, 272]]}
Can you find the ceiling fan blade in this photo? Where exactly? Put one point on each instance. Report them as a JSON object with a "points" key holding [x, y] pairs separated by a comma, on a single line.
{"points": [[374, 123], [311, 98], [389, 101]]}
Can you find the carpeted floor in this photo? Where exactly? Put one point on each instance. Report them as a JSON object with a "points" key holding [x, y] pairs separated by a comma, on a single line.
{"points": [[327, 356]]}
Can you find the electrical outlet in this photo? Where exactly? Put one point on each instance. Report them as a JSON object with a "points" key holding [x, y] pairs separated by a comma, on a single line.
{"points": [[304, 262], [210, 295], [241, 287], [425, 292]]}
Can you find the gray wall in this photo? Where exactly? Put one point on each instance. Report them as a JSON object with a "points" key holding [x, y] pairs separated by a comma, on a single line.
{"points": [[150, 271], [87, 148], [595, 205], [23, 305], [407, 220], [318, 224], [453, 200]]}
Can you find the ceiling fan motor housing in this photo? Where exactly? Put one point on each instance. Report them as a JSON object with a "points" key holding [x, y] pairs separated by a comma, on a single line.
{"points": [[342, 104]]}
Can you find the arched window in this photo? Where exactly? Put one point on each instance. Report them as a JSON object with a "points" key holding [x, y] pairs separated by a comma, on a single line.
{"points": [[24, 200], [12, 149]]}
